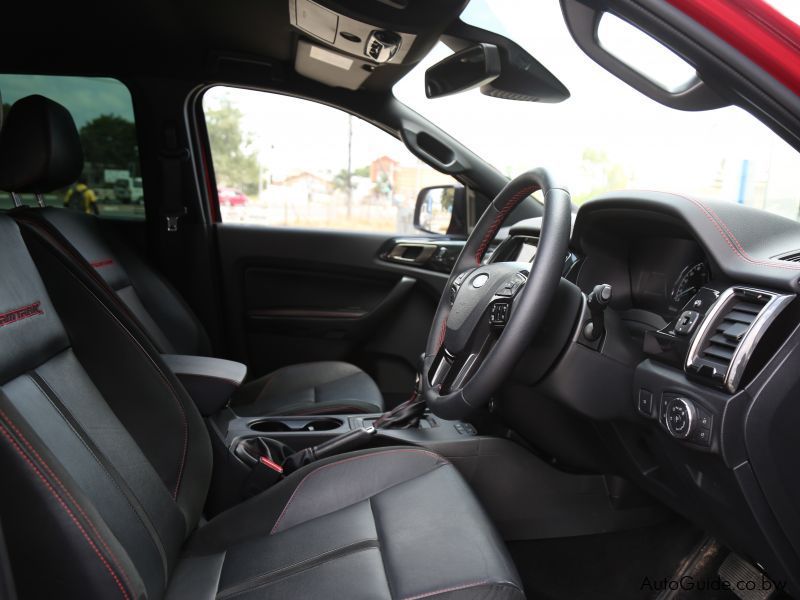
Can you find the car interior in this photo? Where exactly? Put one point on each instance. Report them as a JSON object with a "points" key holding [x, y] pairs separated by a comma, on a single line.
{"points": [[297, 301]]}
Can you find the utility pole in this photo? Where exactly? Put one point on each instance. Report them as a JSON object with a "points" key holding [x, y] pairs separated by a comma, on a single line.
{"points": [[349, 164]]}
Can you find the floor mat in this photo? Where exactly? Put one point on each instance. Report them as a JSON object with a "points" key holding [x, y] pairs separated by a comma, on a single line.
{"points": [[620, 565]]}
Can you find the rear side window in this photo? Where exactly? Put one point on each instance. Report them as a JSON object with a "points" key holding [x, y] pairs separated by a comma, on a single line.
{"points": [[111, 182]]}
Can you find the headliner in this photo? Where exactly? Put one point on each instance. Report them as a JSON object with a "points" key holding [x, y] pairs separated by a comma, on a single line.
{"points": [[185, 39]]}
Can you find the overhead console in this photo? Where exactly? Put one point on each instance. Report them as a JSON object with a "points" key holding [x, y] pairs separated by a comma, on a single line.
{"points": [[343, 51]]}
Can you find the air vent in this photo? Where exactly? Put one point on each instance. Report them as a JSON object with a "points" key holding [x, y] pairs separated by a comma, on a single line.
{"points": [[730, 332], [790, 256]]}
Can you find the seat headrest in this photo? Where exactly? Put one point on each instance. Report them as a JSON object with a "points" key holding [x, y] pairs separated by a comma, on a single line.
{"points": [[40, 150]]}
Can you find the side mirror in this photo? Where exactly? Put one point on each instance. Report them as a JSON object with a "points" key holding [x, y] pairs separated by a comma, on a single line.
{"points": [[469, 68], [442, 210]]}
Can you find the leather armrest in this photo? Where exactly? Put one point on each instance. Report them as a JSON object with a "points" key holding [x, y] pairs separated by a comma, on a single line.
{"points": [[209, 381]]}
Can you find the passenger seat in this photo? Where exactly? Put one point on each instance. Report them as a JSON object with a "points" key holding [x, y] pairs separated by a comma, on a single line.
{"points": [[38, 145], [107, 463]]}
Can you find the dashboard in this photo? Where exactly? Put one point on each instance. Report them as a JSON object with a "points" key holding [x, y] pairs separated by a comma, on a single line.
{"points": [[694, 386], [666, 273]]}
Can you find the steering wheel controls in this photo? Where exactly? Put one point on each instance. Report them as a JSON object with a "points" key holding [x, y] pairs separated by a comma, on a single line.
{"points": [[513, 285], [684, 419], [498, 313]]}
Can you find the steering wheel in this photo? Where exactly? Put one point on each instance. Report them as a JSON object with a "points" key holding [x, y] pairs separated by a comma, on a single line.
{"points": [[490, 313]]}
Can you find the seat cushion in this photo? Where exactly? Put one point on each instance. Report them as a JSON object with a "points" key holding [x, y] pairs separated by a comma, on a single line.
{"points": [[394, 523], [310, 388]]}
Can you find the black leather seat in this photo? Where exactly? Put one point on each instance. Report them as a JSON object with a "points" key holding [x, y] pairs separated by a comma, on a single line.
{"points": [[106, 465], [39, 139]]}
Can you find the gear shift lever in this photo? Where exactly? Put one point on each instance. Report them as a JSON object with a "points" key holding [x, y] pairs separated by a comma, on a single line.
{"points": [[405, 416]]}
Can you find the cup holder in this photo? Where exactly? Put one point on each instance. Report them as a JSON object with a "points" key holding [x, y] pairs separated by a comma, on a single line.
{"points": [[296, 425], [270, 426]]}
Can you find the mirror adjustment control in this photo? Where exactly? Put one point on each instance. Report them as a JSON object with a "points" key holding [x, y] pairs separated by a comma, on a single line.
{"points": [[687, 322], [645, 403], [680, 418]]}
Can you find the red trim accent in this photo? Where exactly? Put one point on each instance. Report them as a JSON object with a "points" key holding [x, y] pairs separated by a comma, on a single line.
{"points": [[754, 28], [270, 463], [57, 241], [102, 263], [454, 588], [501, 216], [63, 505], [442, 334], [345, 460], [18, 314]]}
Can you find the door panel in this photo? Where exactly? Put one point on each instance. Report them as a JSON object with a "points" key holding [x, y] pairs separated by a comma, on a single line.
{"points": [[294, 295]]}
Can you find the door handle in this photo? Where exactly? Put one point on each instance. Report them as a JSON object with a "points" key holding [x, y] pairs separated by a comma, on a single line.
{"points": [[413, 253]]}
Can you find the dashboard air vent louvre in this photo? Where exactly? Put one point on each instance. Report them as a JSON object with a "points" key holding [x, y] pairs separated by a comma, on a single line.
{"points": [[729, 333], [793, 256], [726, 338]]}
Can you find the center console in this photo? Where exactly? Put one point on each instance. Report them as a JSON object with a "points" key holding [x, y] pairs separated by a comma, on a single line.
{"points": [[236, 441]]}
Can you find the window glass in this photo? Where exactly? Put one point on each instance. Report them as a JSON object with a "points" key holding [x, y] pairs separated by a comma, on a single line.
{"points": [[285, 161], [607, 136], [111, 182]]}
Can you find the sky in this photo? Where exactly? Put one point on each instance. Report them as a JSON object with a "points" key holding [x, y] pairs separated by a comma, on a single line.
{"points": [[86, 98]]}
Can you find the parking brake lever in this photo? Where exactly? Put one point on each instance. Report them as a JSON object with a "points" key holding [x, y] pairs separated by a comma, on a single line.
{"points": [[352, 440]]}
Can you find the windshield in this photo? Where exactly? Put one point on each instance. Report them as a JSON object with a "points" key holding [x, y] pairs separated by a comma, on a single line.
{"points": [[606, 136]]}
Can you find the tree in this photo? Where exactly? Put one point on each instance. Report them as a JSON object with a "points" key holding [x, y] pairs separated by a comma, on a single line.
{"points": [[110, 141], [235, 161], [605, 174], [342, 181]]}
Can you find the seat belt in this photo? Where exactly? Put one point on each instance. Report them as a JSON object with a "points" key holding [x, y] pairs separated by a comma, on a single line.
{"points": [[174, 158], [173, 161]]}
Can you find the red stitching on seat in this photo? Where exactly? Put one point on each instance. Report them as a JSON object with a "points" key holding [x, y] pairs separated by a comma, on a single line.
{"points": [[56, 239], [66, 509], [445, 590], [498, 221], [340, 462], [63, 488]]}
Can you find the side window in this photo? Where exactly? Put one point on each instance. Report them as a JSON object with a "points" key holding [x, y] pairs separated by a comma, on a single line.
{"points": [[111, 182], [284, 161]]}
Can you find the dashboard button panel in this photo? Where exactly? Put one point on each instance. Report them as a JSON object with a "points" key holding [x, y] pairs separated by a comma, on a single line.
{"points": [[681, 417], [645, 405], [687, 322]]}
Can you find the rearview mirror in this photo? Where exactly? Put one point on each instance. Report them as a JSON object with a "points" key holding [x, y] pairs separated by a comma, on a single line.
{"points": [[469, 68], [442, 210]]}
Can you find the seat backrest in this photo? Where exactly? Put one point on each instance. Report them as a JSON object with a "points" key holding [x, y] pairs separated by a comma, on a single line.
{"points": [[106, 460], [165, 316]]}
